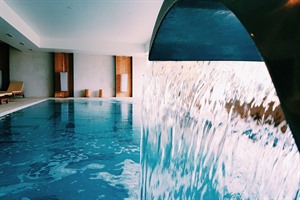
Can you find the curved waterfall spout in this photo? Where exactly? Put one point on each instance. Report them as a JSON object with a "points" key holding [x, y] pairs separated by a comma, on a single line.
{"points": [[255, 30]]}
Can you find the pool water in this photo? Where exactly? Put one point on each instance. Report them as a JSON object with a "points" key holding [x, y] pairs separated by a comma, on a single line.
{"points": [[71, 149]]}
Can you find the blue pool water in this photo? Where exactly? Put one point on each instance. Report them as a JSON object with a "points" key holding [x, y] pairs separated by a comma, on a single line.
{"points": [[71, 149]]}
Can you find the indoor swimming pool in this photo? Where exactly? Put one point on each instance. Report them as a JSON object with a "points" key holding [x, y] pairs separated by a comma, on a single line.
{"points": [[71, 149], [203, 130]]}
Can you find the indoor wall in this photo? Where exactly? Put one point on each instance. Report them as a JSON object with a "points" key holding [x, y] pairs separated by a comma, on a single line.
{"points": [[94, 72], [35, 69], [138, 73]]}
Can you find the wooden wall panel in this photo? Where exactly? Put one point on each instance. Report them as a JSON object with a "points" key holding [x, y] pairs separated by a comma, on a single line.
{"points": [[4, 65], [123, 66], [63, 62]]}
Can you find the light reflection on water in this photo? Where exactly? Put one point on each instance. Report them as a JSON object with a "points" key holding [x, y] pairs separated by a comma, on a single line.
{"points": [[214, 130]]}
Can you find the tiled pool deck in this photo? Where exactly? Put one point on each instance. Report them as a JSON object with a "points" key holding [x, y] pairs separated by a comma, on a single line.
{"points": [[17, 104]]}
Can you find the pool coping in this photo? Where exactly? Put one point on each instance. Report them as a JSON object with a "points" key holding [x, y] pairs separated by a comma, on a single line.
{"points": [[20, 104]]}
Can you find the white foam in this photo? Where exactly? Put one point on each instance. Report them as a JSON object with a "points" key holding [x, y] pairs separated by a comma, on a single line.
{"points": [[59, 170], [93, 166], [13, 189], [129, 178]]}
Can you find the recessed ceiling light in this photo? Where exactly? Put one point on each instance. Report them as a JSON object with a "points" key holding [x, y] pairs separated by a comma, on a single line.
{"points": [[21, 43], [9, 35]]}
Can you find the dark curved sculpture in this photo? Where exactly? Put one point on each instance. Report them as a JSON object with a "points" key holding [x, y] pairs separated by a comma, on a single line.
{"points": [[211, 30]]}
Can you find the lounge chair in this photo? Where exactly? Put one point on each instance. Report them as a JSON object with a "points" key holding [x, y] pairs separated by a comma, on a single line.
{"points": [[14, 88], [3, 97]]}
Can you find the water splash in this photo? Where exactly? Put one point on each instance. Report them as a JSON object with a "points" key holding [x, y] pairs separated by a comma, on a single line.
{"points": [[214, 130]]}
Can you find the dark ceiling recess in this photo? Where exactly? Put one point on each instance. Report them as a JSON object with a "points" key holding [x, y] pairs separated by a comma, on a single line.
{"points": [[242, 30], [9, 35]]}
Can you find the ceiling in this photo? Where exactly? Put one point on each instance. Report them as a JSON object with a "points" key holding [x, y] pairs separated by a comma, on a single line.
{"points": [[105, 27]]}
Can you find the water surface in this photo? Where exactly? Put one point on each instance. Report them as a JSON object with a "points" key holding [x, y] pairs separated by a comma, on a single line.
{"points": [[71, 149]]}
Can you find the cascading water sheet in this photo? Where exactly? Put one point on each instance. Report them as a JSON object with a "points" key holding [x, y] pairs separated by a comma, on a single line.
{"points": [[215, 130]]}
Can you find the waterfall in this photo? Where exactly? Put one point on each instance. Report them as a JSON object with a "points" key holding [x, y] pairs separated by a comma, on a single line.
{"points": [[215, 130]]}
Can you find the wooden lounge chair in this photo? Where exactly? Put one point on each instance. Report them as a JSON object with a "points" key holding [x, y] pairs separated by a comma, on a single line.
{"points": [[3, 97], [15, 88]]}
